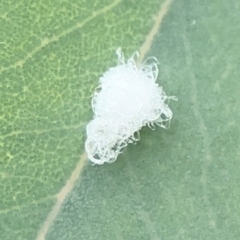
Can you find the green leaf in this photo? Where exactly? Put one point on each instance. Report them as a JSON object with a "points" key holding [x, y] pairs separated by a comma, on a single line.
{"points": [[180, 183], [52, 54]]}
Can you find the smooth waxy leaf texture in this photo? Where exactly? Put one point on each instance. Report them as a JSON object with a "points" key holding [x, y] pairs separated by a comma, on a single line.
{"points": [[180, 183]]}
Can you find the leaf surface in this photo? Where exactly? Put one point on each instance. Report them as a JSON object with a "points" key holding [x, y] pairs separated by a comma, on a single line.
{"points": [[51, 56], [180, 183]]}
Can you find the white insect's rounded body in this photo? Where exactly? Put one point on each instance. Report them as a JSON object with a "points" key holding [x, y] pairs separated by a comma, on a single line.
{"points": [[129, 98]]}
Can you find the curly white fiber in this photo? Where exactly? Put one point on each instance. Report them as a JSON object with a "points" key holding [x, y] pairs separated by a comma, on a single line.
{"points": [[129, 98]]}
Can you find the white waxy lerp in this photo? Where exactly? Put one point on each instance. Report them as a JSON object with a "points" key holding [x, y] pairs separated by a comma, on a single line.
{"points": [[127, 99]]}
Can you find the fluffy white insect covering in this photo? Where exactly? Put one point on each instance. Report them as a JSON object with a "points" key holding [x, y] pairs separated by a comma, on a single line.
{"points": [[127, 99]]}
